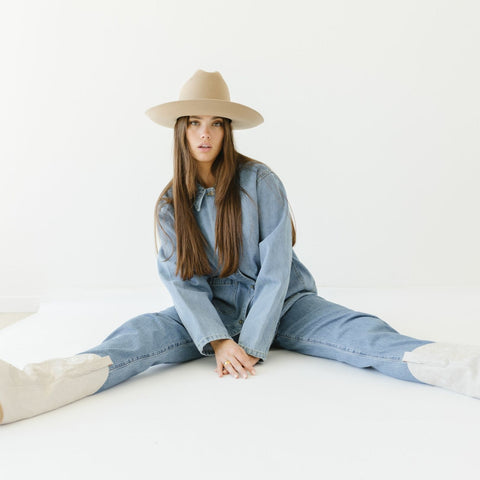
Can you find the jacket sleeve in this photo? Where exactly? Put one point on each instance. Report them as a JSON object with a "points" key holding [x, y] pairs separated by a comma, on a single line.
{"points": [[192, 298], [275, 255]]}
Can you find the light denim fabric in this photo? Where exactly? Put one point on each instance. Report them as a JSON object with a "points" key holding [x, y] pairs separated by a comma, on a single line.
{"points": [[270, 278], [270, 301]]}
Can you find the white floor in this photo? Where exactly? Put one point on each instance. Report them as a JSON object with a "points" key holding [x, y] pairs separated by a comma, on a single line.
{"points": [[300, 416]]}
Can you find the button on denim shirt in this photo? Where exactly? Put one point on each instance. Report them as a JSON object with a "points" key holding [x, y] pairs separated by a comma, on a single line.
{"points": [[270, 278]]}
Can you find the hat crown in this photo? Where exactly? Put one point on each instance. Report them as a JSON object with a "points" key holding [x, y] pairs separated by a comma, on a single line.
{"points": [[205, 85]]}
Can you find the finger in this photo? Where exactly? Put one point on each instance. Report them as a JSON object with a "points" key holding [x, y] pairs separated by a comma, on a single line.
{"points": [[249, 367], [239, 368], [246, 362], [220, 369], [253, 362], [230, 368]]}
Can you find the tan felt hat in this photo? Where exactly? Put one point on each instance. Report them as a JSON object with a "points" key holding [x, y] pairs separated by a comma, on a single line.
{"points": [[205, 93]]}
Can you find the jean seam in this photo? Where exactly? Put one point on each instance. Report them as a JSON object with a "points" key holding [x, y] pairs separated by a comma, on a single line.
{"points": [[341, 348], [143, 357]]}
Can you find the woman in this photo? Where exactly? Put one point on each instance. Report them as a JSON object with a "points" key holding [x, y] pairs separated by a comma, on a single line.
{"points": [[237, 285]]}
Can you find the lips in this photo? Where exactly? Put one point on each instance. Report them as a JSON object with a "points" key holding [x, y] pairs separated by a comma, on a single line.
{"points": [[205, 146]]}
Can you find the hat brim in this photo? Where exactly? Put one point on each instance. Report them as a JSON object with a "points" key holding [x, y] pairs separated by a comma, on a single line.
{"points": [[242, 116]]}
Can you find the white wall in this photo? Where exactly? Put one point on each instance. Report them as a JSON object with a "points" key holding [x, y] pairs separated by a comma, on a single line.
{"points": [[371, 119]]}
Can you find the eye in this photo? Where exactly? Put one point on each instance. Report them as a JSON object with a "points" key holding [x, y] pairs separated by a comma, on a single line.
{"points": [[218, 123], [193, 122]]}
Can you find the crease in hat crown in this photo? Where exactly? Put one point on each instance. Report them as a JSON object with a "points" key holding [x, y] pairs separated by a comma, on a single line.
{"points": [[205, 85], [205, 93]]}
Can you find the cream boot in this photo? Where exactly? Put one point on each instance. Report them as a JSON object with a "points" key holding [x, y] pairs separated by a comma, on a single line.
{"points": [[41, 387], [455, 367]]}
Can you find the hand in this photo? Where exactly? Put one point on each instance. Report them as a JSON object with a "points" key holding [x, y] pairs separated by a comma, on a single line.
{"points": [[253, 359], [239, 362]]}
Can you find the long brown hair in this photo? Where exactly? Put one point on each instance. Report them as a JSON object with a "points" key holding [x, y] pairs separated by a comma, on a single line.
{"points": [[191, 254]]}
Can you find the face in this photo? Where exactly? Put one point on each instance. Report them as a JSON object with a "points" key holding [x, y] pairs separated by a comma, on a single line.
{"points": [[205, 137]]}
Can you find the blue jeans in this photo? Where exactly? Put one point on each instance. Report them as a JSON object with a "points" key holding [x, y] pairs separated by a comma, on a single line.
{"points": [[312, 326]]}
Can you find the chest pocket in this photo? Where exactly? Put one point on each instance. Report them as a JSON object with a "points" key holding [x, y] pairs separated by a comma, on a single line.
{"points": [[224, 295]]}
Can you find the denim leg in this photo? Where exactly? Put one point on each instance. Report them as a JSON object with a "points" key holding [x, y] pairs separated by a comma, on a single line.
{"points": [[145, 340], [315, 326]]}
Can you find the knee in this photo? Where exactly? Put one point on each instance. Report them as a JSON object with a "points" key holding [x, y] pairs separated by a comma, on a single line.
{"points": [[144, 327], [145, 321]]}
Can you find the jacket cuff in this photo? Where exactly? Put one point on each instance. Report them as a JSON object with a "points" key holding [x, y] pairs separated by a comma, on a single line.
{"points": [[204, 346], [255, 353]]}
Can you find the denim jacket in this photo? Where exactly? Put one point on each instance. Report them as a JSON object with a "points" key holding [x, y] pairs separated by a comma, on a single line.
{"points": [[270, 278]]}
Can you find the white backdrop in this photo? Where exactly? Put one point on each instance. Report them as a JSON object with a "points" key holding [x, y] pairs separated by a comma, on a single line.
{"points": [[372, 115]]}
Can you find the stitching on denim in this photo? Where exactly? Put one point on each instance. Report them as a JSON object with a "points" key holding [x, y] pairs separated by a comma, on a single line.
{"points": [[210, 338], [255, 353], [264, 174], [155, 354], [338, 347], [227, 282]]}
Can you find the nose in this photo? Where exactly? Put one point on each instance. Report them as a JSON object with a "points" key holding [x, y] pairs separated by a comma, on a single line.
{"points": [[205, 133]]}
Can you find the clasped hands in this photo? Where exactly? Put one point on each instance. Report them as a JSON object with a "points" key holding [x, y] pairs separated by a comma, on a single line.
{"points": [[232, 359]]}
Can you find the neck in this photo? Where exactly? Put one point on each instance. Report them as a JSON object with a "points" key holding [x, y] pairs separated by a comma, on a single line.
{"points": [[205, 175]]}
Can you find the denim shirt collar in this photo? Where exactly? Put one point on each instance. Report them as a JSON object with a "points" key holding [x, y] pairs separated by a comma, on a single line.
{"points": [[201, 192]]}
